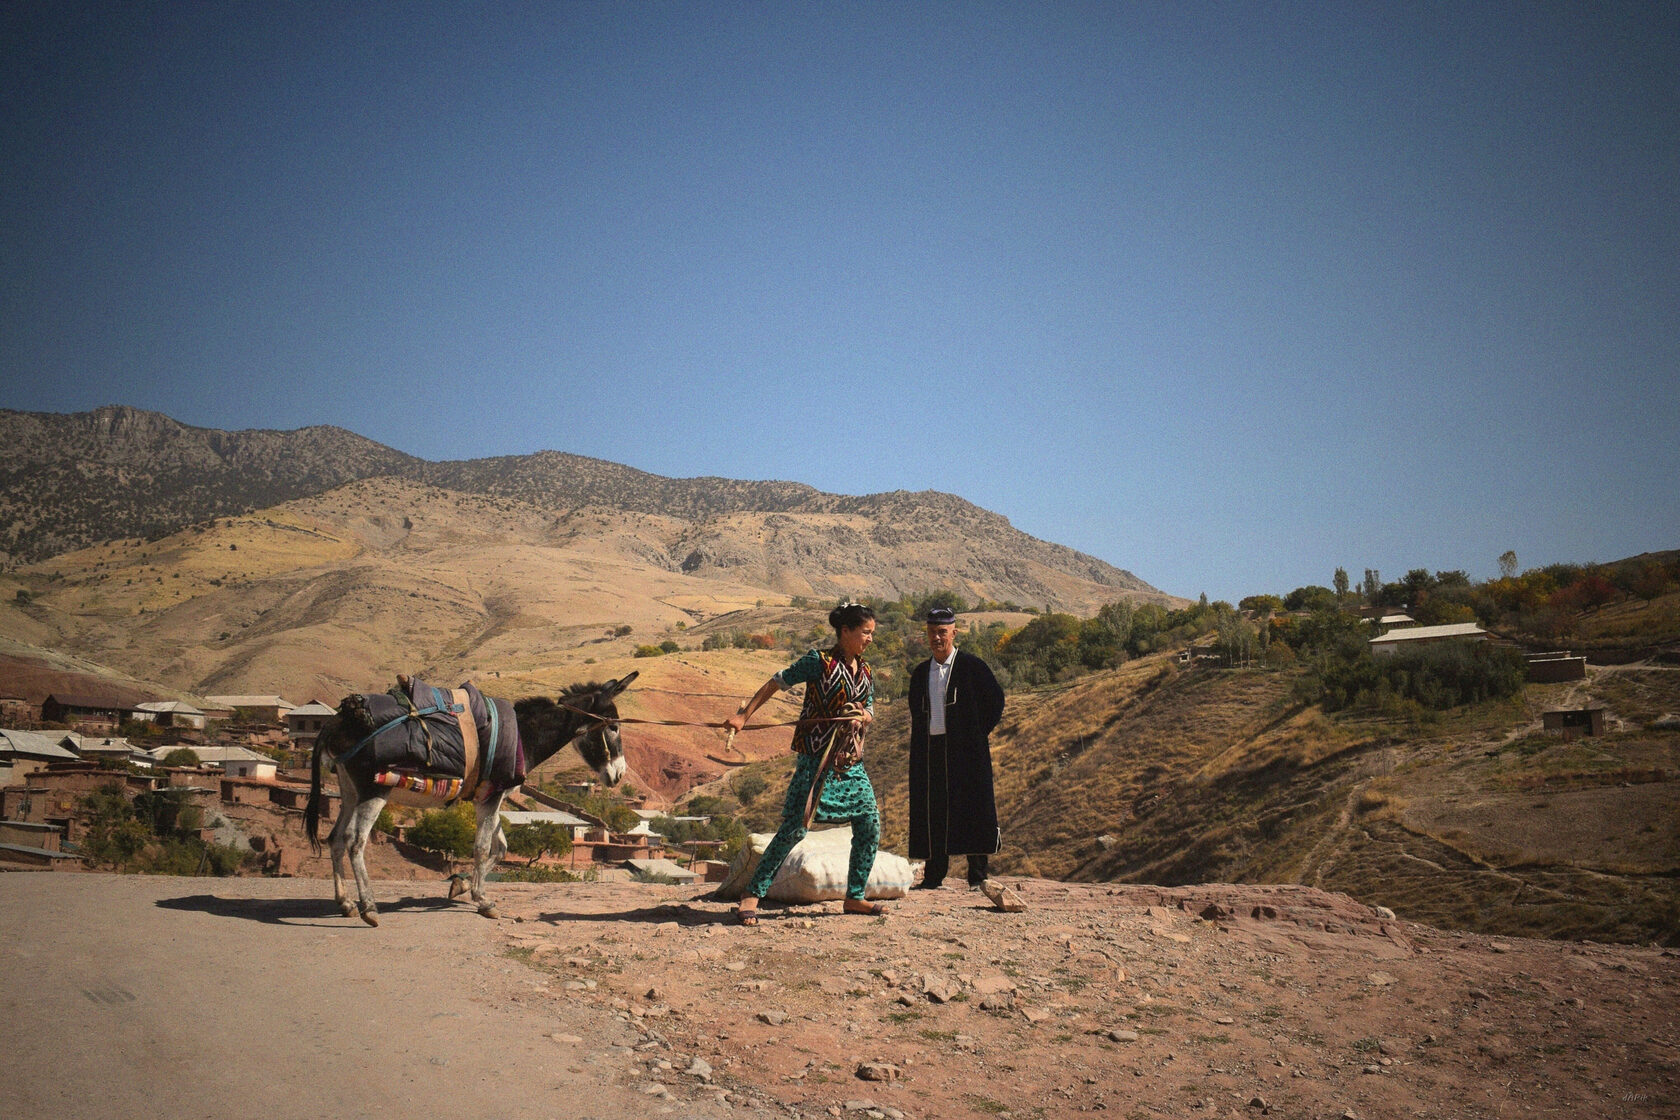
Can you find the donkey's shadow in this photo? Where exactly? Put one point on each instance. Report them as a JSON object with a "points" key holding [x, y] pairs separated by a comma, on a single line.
{"points": [[291, 911]]}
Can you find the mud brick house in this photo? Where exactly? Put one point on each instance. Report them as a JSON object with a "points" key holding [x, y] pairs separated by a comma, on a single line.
{"points": [[87, 711], [52, 796], [171, 713], [304, 723], [1550, 668], [24, 752], [265, 709]]}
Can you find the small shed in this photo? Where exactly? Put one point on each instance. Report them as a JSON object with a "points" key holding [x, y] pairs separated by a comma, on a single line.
{"points": [[1574, 722], [170, 713]]}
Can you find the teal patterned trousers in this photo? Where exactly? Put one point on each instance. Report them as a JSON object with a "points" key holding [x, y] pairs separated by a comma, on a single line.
{"points": [[845, 798]]}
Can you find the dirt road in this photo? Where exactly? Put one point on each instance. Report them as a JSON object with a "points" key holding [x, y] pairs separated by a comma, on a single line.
{"points": [[124, 996]]}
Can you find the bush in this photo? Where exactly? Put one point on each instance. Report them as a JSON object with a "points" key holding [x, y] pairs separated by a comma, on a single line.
{"points": [[1437, 677], [649, 651], [448, 831]]}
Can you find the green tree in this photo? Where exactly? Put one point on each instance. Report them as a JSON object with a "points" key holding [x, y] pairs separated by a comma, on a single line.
{"points": [[181, 756], [533, 841], [1508, 564], [450, 831], [115, 832], [1340, 583]]}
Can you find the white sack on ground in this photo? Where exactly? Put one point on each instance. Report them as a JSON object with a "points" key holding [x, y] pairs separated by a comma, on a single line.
{"points": [[815, 871]]}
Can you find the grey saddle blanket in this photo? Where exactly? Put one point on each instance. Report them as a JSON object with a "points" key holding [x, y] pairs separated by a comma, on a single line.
{"points": [[427, 737]]}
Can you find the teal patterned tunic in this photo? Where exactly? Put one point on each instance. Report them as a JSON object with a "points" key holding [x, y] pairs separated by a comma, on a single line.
{"points": [[846, 795]]}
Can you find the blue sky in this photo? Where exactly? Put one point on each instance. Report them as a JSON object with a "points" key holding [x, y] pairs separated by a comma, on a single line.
{"points": [[1225, 294]]}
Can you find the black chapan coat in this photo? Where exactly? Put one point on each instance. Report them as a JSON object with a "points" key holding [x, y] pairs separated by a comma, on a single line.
{"points": [[973, 706]]}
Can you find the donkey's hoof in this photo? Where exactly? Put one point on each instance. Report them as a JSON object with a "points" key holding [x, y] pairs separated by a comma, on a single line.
{"points": [[348, 908], [457, 886], [370, 916], [489, 910]]}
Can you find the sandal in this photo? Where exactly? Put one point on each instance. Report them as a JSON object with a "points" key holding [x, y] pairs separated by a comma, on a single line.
{"points": [[863, 909], [746, 917]]}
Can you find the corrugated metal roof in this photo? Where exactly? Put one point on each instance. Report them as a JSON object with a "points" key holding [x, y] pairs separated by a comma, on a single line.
{"points": [[313, 708], [34, 744], [1424, 633], [181, 707], [250, 701], [553, 816]]}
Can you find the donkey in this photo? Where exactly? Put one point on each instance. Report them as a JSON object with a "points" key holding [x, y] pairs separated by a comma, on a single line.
{"points": [[584, 713]]}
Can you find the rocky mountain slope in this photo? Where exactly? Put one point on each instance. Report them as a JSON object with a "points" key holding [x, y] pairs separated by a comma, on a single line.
{"points": [[70, 481]]}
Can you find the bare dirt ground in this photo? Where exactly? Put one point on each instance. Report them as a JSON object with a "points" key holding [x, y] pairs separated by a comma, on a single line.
{"points": [[235, 997]]}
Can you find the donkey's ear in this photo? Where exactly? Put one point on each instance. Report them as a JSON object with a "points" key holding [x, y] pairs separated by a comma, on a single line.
{"points": [[613, 688]]}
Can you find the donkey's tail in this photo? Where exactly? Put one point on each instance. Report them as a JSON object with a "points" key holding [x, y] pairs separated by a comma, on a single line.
{"points": [[312, 811]]}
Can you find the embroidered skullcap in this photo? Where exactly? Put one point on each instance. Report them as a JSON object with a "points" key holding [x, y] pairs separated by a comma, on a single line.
{"points": [[941, 616]]}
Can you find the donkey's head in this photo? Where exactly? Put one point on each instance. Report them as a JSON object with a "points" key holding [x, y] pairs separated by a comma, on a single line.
{"points": [[599, 744]]}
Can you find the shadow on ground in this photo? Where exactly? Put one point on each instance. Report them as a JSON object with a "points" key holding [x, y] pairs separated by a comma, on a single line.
{"points": [[294, 911]]}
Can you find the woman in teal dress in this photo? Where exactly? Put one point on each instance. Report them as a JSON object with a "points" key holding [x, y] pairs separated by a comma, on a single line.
{"points": [[839, 706]]}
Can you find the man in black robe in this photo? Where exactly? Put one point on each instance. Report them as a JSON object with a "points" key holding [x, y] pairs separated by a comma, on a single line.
{"points": [[954, 704]]}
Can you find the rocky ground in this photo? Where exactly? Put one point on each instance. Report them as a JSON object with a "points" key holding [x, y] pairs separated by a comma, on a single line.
{"points": [[609, 1001], [1207, 1001]]}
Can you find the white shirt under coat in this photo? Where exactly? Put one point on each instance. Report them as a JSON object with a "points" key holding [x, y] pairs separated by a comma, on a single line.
{"points": [[939, 679]]}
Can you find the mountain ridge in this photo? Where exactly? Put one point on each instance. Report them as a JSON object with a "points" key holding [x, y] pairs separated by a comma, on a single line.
{"points": [[70, 480]]}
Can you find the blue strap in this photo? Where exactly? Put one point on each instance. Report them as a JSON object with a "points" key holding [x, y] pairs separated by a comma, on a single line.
{"points": [[495, 735], [386, 726]]}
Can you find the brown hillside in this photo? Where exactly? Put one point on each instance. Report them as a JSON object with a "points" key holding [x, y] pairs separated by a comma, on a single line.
{"points": [[1157, 774], [70, 481]]}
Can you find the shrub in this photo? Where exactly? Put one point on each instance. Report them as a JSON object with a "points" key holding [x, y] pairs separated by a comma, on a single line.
{"points": [[649, 651], [449, 831]]}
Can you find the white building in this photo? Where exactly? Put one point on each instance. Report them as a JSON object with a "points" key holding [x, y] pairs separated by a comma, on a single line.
{"points": [[1413, 636]]}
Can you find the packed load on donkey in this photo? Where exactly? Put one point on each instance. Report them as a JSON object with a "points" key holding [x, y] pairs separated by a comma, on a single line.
{"points": [[437, 742]]}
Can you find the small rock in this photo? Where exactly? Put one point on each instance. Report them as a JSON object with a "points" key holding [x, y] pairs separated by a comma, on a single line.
{"points": [[1003, 897], [941, 991], [567, 1039], [1383, 913], [664, 928], [1035, 1015], [736, 966], [1498, 947], [1225, 1021], [653, 994], [1119, 1034], [700, 1068], [1478, 993], [1260, 1103], [879, 1071], [656, 1090], [1373, 1069], [773, 1018], [992, 985], [857, 1106], [1003, 1001], [1381, 979]]}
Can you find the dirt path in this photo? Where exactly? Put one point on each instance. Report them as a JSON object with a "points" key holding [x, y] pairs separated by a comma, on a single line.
{"points": [[231, 998], [126, 996]]}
